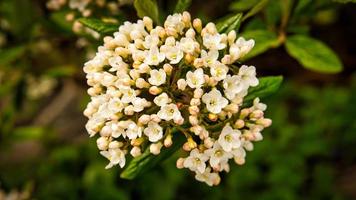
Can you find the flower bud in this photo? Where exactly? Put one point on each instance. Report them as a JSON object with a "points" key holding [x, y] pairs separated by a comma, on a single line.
{"points": [[148, 23], [190, 33], [135, 151], [182, 84], [137, 141], [155, 118], [265, 122], [256, 114], [115, 145], [239, 160], [193, 110], [213, 117], [141, 83], [198, 93], [168, 69], [208, 142], [193, 120], [244, 113], [154, 90], [105, 131], [168, 141], [179, 163], [231, 37], [211, 29], [197, 24], [144, 119], [195, 102], [186, 18], [102, 143], [239, 124], [248, 145], [155, 148]]}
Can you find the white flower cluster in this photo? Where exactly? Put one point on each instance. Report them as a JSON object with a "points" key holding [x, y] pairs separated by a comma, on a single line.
{"points": [[146, 81]]}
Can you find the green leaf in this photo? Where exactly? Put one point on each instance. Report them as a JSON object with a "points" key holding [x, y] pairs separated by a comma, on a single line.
{"points": [[147, 160], [229, 23], [264, 40], [182, 5], [267, 86], [313, 54], [99, 26], [61, 71], [9, 55], [242, 5], [257, 8], [147, 8]]}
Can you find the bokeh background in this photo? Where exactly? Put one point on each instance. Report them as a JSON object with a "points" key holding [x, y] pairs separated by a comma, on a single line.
{"points": [[45, 152]]}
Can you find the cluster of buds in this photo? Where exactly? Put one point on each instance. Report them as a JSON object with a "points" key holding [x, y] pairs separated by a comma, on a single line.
{"points": [[86, 8], [147, 80]]}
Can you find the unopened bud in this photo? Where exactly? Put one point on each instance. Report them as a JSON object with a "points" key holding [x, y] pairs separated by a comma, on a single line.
{"points": [[197, 24], [180, 163], [239, 123], [137, 141], [265, 122], [182, 84], [244, 113], [193, 120], [102, 143], [154, 90], [155, 148], [186, 18], [167, 68], [148, 23], [231, 37], [135, 151], [239, 160], [213, 117], [168, 141]]}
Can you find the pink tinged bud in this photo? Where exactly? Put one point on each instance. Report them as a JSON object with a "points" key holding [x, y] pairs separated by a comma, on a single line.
{"points": [[168, 141], [154, 90], [186, 18], [257, 114], [198, 93], [193, 120], [208, 142], [213, 117], [186, 147], [179, 120], [155, 148], [239, 123], [135, 151], [179, 163], [244, 113], [144, 119], [227, 60], [193, 110]]}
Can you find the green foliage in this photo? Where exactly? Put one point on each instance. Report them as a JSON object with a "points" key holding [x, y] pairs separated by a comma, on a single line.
{"points": [[264, 40], [182, 5], [99, 26], [242, 5], [147, 8], [255, 9], [229, 23], [267, 86], [11, 54], [313, 54]]}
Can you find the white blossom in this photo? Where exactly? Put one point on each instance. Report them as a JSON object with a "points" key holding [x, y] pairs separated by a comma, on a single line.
{"points": [[157, 77], [217, 155], [115, 156], [153, 131], [196, 161], [195, 79], [169, 112], [214, 101], [213, 42], [154, 57], [248, 76], [162, 99], [229, 138]]}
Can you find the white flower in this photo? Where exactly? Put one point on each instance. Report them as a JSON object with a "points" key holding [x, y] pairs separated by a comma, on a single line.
{"points": [[153, 56], [139, 104], [232, 86], [208, 177], [241, 47], [210, 57], [219, 71], [158, 77], [213, 42], [187, 45], [259, 106], [229, 138], [169, 112], [133, 131], [162, 99], [248, 76], [128, 95], [115, 156], [151, 41], [154, 131], [195, 79], [214, 101], [217, 155], [174, 54], [196, 161], [181, 84], [174, 24], [117, 64], [115, 105]]}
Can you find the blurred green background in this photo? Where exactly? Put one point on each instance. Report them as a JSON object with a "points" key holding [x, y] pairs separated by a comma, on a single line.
{"points": [[45, 152]]}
